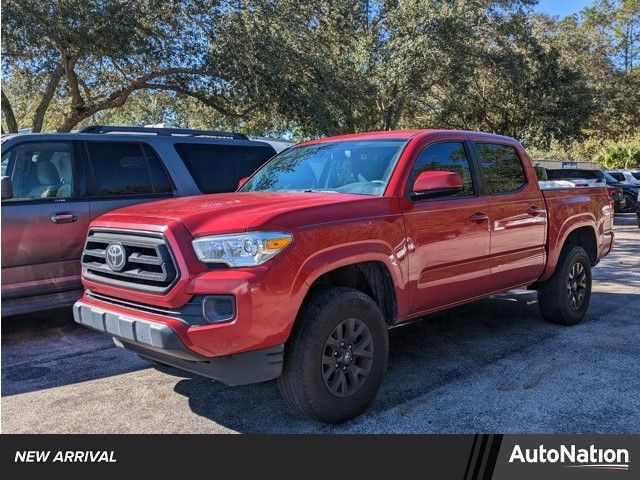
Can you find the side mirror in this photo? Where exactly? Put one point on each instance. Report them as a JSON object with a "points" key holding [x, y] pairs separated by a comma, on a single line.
{"points": [[7, 188], [242, 181], [434, 182]]}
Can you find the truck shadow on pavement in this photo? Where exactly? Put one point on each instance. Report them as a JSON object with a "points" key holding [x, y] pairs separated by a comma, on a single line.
{"points": [[47, 349], [493, 365]]}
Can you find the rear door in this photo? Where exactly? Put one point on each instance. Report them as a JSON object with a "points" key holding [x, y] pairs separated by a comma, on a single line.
{"points": [[448, 235], [518, 216], [45, 222], [124, 173]]}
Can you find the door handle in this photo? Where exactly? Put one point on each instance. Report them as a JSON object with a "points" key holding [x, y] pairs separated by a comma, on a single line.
{"points": [[534, 211], [479, 217], [64, 217]]}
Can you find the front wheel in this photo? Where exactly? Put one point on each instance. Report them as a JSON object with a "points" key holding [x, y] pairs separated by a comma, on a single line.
{"points": [[337, 356], [564, 298]]}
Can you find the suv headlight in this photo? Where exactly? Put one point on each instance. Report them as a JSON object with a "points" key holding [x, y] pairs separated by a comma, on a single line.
{"points": [[242, 249]]}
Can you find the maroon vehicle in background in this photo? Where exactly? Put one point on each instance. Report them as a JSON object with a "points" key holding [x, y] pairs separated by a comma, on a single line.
{"points": [[54, 185]]}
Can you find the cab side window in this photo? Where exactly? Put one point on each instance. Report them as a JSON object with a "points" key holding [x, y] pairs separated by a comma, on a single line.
{"points": [[501, 168], [448, 156], [40, 170]]}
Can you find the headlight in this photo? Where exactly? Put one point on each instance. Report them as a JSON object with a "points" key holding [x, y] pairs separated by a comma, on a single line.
{"points": [[242, 249]]}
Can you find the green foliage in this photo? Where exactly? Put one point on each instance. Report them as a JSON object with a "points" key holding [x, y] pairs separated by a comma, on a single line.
{"points": [[568, 88], [90, 55], [625, 154]]}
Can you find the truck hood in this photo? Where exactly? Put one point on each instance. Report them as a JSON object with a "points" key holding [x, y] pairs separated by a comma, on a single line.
{"points": [[237, 212]]}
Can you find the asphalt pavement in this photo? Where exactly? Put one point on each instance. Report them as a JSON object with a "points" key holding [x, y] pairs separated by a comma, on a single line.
{"points": [[491, 366]]}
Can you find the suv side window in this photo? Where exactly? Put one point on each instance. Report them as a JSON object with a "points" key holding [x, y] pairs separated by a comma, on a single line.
{"points": [[160, 179], [618, 176], [218, 168], [501, 167], [447, 156], [125, 168], [41, 170]]}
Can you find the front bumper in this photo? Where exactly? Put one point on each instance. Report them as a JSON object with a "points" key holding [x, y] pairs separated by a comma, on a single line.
{"points": [[158, 341]]}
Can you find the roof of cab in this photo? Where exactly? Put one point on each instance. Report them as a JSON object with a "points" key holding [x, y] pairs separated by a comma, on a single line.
{"points": [[406, 135]]}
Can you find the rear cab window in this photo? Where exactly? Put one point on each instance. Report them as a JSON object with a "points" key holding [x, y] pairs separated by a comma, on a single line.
{"points": [[501, 168], [218, 168], [126, 168]]}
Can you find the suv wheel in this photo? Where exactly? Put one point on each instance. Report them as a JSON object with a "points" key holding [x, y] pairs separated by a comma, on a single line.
{"points": [[564, 298], [336, 357]]}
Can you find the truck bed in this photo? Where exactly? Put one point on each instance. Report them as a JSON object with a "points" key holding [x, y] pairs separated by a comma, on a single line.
{"points": [[569, 208]]}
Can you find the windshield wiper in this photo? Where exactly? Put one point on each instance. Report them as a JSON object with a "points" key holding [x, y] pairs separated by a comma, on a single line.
{"points": [[312, 190]]}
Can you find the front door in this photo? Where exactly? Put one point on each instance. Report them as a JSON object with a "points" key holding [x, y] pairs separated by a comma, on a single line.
{"points": [[45, 222], [448, 235]]}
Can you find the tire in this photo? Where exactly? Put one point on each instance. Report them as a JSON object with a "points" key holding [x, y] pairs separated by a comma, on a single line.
{"points": [[310, 383], [564, 298]]}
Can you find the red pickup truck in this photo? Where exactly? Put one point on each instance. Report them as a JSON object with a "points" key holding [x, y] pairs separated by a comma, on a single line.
{"points": [[301, 272]]}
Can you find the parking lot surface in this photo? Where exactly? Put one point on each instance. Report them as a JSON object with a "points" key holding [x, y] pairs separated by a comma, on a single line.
{"points": [[491, 366]]}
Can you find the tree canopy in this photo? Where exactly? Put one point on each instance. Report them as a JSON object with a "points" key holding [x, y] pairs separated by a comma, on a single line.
{"points": [[323, 67]]}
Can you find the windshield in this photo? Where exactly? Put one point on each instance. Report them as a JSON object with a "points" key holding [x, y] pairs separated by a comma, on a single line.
{"points": [[610, 178], [362, 167]]}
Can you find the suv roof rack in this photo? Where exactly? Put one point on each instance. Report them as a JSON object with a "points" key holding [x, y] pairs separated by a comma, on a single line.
{"points": [[163, 131]]}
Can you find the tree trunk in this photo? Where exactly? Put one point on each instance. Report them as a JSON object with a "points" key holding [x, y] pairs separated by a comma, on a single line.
{"points": [[81, 111], [49, 91], [9, 116], [72, 120]]}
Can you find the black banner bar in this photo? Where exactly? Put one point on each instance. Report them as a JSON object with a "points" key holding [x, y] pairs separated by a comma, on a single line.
{"points": [[464, 457]]}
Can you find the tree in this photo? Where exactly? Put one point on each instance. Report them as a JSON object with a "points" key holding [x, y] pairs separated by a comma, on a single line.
{"points": [[325, 67], [623, 154], [344, 66], [95, 53], [620, 21]]}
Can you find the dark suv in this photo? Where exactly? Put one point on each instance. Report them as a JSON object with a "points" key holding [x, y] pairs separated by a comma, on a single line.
{"points": [[583, 178], [54, 184]]}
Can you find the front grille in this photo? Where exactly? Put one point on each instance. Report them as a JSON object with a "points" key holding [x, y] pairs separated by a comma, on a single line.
{"points": [[149, 265]]}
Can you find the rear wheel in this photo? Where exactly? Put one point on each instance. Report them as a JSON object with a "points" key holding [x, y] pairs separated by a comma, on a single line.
{"points": [[337, 356], [564, 298]]}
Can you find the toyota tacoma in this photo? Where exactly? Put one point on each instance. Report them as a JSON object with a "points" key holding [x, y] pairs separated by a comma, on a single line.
{"points": [[300, 274]]}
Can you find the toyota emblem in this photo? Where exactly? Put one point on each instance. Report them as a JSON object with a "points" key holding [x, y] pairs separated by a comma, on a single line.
{"points": [[116, 256]]}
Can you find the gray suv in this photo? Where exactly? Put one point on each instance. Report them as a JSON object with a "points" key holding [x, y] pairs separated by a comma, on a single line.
{"points": [[54, 184]]}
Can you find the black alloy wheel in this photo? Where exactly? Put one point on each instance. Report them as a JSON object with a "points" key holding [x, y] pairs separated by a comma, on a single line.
{"points": [[347, 357]]}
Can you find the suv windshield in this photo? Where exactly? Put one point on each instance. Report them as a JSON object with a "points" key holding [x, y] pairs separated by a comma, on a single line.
{"points": [[361, 167]]}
